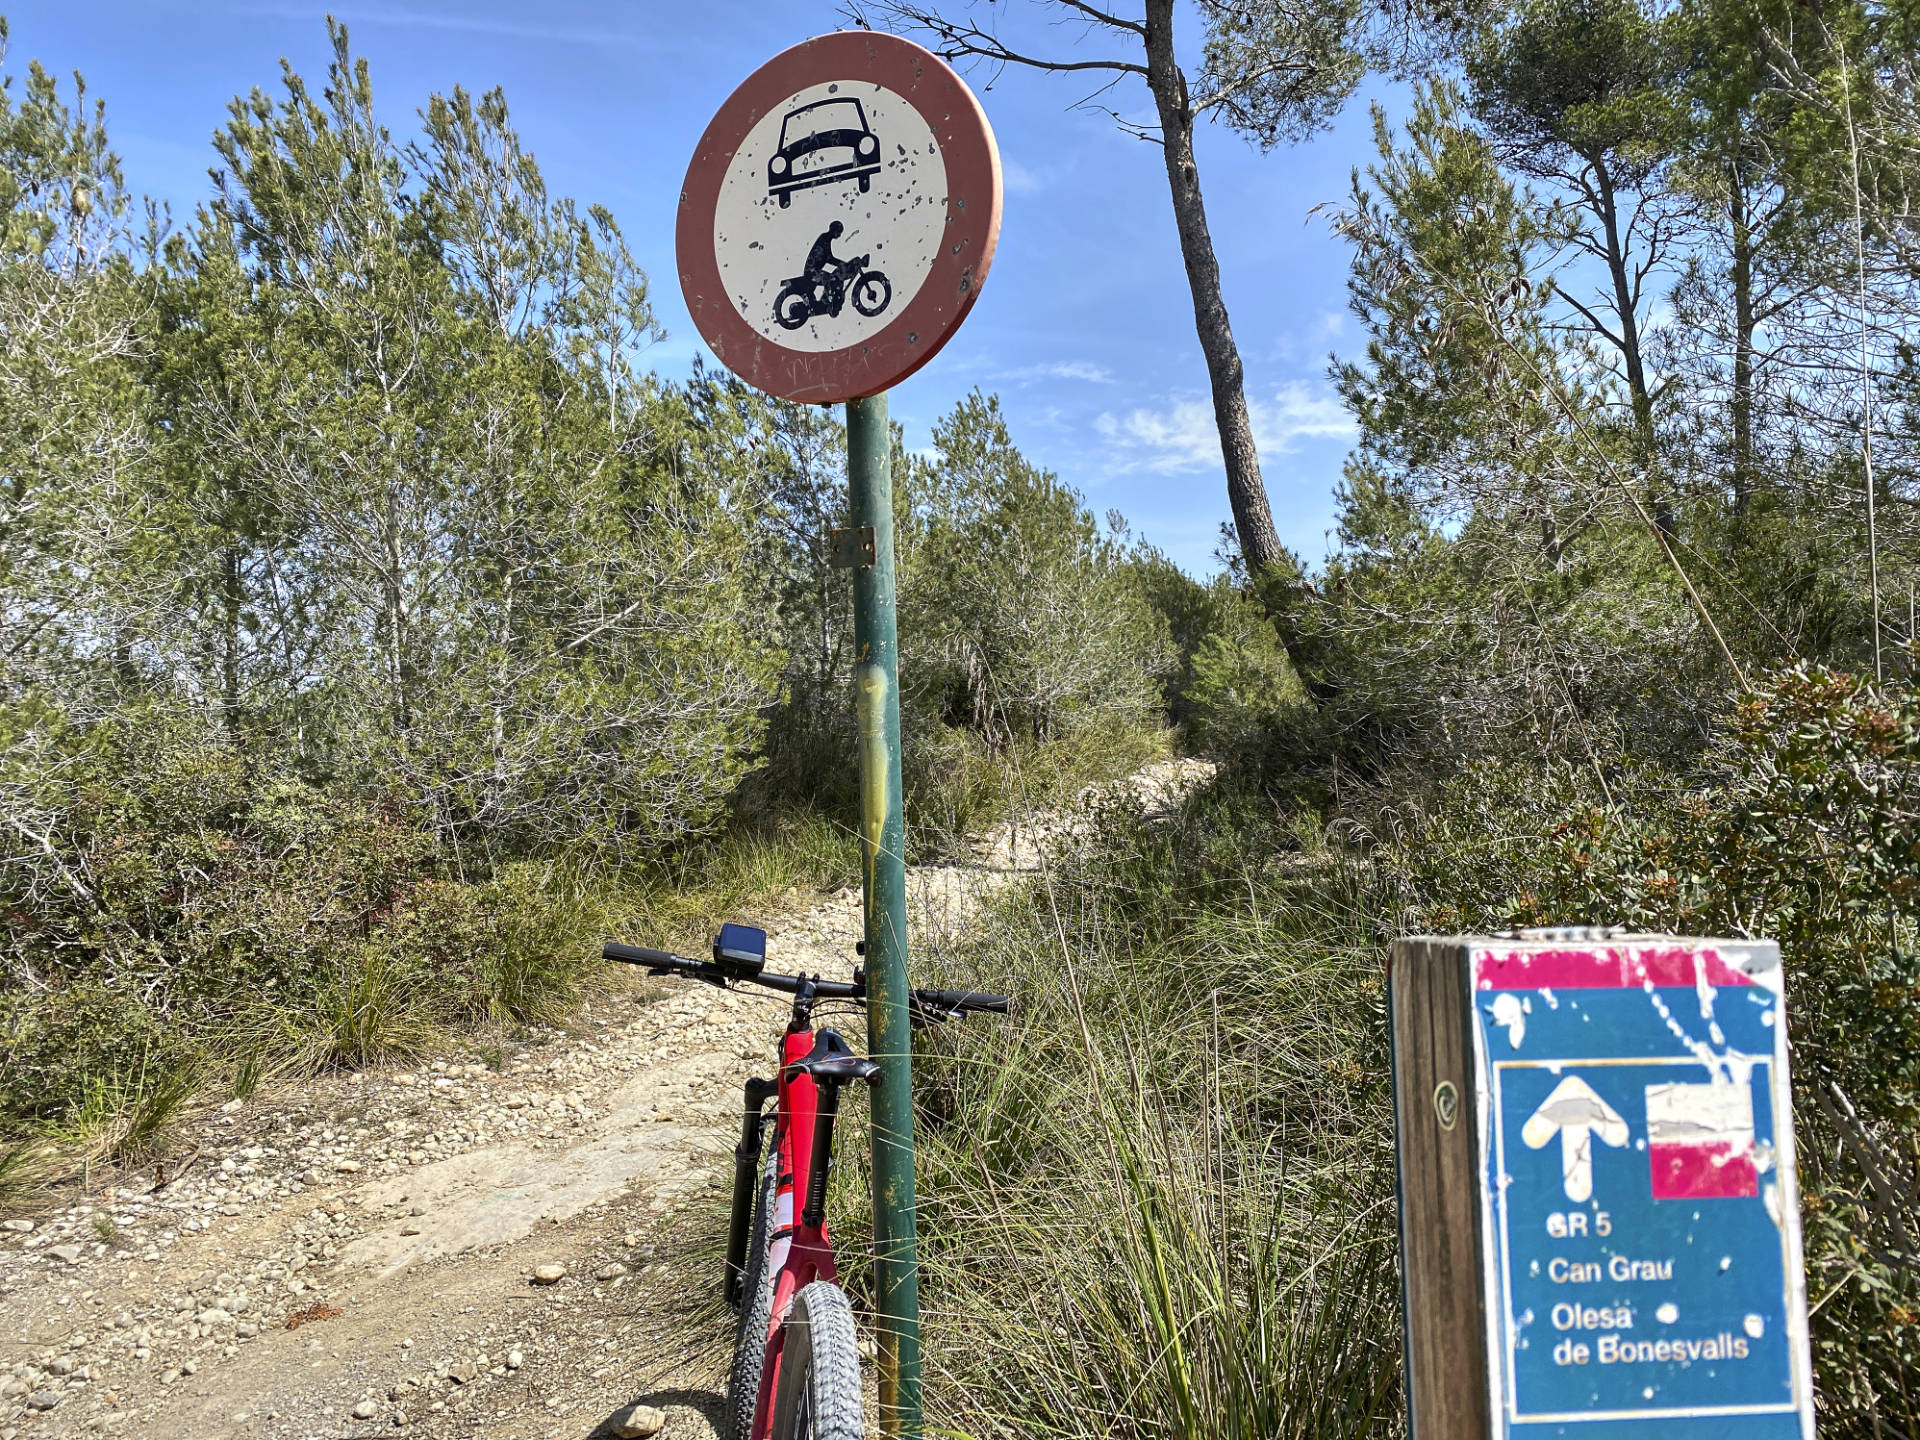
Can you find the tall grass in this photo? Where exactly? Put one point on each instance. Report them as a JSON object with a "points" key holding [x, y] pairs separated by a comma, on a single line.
{"points": [[1158, 1201]]}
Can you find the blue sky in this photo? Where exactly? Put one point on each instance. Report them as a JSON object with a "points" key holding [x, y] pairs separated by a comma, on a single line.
{"points": [[1084, 328]]}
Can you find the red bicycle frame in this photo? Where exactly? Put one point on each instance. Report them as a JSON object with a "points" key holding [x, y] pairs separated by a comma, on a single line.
{"points": [[815, 1066], [798, 1251]]}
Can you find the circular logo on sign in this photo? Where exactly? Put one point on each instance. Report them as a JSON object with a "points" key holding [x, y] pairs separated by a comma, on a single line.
{"points": [[1446, 1104], [839, 217]]}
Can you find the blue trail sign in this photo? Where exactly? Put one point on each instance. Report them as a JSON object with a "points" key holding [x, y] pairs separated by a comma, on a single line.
{"points": [[1607, 1120]]}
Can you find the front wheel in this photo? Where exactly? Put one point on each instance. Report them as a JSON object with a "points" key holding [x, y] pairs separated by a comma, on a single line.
{"points": [[819, 1387], [756, 1304], [871, 293]]}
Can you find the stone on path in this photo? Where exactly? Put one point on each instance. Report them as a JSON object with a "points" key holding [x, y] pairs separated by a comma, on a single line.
{"points": [[549, 1274], [636, 1422]]}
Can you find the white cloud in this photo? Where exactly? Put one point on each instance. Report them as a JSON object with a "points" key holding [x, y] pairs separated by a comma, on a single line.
{"points": [[1297, 412], [1085, 370], [1018, 178], [1330, 324], [1182, 437], [469, 24]]}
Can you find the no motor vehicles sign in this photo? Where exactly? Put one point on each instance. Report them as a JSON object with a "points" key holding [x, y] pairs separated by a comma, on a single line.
{"points": [[1599, 1217], [839, 217]]}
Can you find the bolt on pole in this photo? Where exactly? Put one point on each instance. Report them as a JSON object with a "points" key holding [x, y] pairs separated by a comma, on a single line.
{"points": [[884, 872]]}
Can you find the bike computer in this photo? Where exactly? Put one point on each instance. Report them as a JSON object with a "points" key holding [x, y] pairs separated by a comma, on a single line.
{"points": [[741, 951]]}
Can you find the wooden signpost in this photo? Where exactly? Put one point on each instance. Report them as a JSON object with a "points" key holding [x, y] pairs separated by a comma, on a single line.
{"points": [[1599, 1222], [836, 224]]}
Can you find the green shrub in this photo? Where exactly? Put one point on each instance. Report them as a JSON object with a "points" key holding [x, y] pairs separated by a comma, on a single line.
{"points": [[1802, 825], [1243, 683], [1019, 619], [188, 919]]}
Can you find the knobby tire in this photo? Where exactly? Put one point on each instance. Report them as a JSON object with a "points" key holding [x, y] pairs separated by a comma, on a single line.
{"points": [[756, 1303], [819, 1387]]}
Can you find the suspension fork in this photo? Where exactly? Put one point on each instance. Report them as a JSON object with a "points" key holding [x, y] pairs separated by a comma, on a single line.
{"points": [[746, 1176]]}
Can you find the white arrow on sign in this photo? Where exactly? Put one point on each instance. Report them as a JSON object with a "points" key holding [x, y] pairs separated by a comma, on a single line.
{"points": [[1575, 1114]]}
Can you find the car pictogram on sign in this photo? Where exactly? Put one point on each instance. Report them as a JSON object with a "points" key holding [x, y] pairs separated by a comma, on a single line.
{"points": [[823, 143]]}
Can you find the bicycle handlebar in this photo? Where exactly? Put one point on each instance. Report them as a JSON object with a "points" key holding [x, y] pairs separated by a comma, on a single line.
{"points": [[948, 1002]]}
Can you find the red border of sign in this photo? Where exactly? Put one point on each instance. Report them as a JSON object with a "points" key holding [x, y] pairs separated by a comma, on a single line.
{"points": [[973, 219]]}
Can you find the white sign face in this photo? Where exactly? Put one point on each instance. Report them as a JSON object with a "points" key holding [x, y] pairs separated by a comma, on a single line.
{"points": [[830, 216]]}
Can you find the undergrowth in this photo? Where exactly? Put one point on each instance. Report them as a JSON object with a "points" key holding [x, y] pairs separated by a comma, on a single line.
{"points": [[1158, 1200], [343, 945]]}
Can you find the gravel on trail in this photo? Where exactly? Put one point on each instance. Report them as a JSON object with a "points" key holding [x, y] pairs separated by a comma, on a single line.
{"points": [[449, 1251]]}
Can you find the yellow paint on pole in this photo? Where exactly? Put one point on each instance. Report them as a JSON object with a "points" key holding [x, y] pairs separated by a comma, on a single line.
{"points": [[873, 771]]}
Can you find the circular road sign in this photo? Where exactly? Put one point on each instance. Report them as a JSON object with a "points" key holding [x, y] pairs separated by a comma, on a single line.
{"points": [[839, 217]]}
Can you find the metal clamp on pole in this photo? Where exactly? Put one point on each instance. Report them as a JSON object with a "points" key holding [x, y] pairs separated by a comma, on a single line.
{"points": [[851, 547]]}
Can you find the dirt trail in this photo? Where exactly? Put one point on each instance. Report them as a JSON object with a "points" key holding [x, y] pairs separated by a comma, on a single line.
{"points": [[369, 1256]]}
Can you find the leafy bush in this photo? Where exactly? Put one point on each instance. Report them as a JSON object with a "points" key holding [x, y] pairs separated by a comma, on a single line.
{"points": [[1243, 682]]}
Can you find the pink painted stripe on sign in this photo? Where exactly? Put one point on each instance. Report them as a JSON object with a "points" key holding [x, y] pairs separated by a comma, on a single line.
{"points": [[1613, 969], [1703, 1172]]}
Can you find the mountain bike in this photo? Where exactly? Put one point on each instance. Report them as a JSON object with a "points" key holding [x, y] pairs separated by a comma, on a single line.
{"points": [[796, 1363]]}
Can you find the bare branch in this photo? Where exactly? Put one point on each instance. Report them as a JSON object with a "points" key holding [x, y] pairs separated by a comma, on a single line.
{"points": [[1104, 17], [965, 40]]}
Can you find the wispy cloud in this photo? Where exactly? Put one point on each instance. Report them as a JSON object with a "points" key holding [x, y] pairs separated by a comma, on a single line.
{"points": [[1183, 437], [1083, 370], [1308, 343], [464, 24], [1329, 325], [1018, 179]]}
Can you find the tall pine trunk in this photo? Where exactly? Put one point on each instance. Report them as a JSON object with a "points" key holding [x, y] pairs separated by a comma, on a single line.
{"points": [[1627, 312], [1246, 492], [1743, 328]]}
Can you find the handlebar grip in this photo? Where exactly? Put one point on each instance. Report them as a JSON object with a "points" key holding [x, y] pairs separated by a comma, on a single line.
{"points": [[640, 955], [965, 1000]]}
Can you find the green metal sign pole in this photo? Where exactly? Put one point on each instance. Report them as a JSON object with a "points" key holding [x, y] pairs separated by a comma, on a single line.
{"points": [[883, 846]]}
